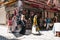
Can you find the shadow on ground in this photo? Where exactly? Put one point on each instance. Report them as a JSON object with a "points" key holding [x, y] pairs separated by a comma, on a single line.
{"points": [[17, 34], [3, 38], [13, 39]]}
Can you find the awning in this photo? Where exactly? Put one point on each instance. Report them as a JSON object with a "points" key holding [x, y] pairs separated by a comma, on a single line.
{"points": [[41, 5]]}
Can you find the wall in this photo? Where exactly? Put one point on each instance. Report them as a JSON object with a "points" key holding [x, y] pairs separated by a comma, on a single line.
{"points": [[2, 15]]}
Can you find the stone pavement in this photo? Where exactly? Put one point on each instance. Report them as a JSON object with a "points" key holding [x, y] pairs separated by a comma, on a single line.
{"points": [[4, 34], [46, 35]]}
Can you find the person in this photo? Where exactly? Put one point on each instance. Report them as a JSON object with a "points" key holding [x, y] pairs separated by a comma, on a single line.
{"points": [[23, 24], [15, 11], [35, 28], [55, 19], [14, 24], [32, 16], [18, 23], [48, 21], [9, 24], [8, 15], [41, 23]]}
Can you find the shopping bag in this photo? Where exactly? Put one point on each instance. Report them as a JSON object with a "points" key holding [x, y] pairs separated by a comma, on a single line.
{"points": [[37, 28]]}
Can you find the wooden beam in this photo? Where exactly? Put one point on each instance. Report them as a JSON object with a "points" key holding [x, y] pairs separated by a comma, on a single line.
{"points": [[1, 3], [8, 3], [42, 3]]}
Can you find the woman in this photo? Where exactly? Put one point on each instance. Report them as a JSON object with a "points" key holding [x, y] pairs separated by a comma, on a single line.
{"points": [[35, 28], [14, 24]]}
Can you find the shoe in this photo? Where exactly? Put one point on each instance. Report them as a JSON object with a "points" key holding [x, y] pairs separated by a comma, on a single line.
{"points": [[13, 32], [22, 33]]}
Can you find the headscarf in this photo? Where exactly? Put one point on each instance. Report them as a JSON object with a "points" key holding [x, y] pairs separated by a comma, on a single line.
{"points": [[35, 20]]}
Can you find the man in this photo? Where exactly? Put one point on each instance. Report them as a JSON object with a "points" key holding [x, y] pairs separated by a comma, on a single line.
{"points": [[23, 24], [48, 21]]}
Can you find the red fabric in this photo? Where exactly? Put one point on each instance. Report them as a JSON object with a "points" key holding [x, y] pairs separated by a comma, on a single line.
{"points": [[10, 23], [14, 12]]}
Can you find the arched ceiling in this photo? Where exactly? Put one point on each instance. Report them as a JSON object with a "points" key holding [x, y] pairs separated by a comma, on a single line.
{"points": [[42, 4]]}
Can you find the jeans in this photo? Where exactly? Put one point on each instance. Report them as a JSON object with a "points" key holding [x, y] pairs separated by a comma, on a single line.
{"points": [[48, 24]]}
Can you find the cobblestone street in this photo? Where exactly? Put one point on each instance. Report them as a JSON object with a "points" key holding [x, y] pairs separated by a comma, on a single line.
{"points": [[45, 35]]}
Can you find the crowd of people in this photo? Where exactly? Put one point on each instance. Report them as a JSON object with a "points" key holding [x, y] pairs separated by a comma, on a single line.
{"points": [[31, 19], [22, 20]]}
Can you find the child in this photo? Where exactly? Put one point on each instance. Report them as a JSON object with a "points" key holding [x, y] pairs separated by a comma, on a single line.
{"points": [[9, 24]]}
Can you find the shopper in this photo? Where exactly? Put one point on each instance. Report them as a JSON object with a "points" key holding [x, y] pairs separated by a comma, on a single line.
{"points": [[48, 21], [10, 24], [35, 28], [23, 24], [14, 24]]}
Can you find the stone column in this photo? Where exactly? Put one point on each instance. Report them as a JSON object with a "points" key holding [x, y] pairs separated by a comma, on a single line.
{"points": [[45, 14], [2, 14]]}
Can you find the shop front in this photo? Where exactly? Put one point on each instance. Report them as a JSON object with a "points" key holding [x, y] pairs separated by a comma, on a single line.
{"points": [[45, 10]]}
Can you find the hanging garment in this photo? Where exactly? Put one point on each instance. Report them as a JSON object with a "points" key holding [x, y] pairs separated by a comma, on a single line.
{"points": [[50, 2], [20, 4]]}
